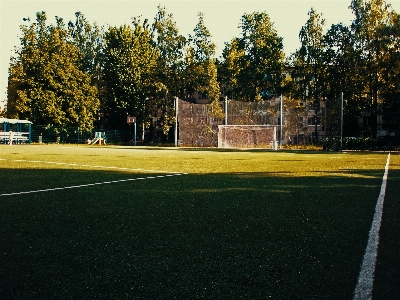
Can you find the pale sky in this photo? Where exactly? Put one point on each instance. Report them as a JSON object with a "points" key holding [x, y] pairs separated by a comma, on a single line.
{"points": [[221, 17]]}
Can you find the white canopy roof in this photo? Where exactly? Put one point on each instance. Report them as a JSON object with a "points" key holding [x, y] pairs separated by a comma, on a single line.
{"points": [[14, 121]]}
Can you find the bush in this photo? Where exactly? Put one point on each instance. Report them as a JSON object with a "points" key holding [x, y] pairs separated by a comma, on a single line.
{"points": [[361, 143]]}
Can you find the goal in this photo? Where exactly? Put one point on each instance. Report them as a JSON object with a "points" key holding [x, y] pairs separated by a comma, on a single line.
{"points": [[247, 136]]}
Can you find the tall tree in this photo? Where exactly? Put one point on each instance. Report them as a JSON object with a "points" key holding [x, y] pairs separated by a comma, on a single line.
{"points": [[170, 45], [255, 61], [201, 69], [89, 40], [391, 75], [372, 18], [46, 84], [130, 65], [230, 67], [309, 65], [340, 59]]}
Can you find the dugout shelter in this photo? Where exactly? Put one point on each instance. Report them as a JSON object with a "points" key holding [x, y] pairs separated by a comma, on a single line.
{"points": [[15, 131]]}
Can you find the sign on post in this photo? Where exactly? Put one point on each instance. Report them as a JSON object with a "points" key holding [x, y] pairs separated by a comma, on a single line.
{"points": [[131, 120]]}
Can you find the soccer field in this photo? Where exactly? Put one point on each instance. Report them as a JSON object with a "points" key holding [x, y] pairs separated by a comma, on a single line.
{"points": [[82, 222]]}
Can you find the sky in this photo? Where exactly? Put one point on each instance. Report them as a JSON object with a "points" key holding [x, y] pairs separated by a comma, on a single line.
{"points": [[221, 17]]}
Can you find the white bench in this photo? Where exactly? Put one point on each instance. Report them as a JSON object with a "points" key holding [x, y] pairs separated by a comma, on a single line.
{"points": [[10, 137]]}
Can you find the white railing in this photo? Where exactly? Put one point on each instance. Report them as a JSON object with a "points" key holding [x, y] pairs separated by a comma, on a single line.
{"points": [[13, 137]]}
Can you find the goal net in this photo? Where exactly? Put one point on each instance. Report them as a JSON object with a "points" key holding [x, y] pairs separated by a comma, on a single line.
{"points": [[247, 136]]}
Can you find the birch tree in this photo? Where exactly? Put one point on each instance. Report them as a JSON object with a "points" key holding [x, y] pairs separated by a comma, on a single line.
{"points": [[309, 66]]}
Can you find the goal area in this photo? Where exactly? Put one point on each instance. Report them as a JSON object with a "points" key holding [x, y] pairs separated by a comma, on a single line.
{"points": [[247, 136]]}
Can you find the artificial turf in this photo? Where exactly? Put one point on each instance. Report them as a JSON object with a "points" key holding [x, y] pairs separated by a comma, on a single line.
{"points": [[233, 224]]}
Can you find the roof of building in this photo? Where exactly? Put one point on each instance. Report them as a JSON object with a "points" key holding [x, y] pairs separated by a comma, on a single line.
{"points": [[14, 121]]}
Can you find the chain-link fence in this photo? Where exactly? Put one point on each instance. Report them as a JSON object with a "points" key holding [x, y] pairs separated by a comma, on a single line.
{"points": [[199, 127], [43, 134]]}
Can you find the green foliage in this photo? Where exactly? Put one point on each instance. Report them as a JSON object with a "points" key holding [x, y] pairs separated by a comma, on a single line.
{"points": [[215, 110], [203, 48], [373, 20], [89, 40], [340, 61], [294, 114], [391, 110], [130, 65], [309, 66], [170, 45], [357, 60], [3, 109], [46, 84], [60, 72], [308, 61], [254, 62], [230, 67], [200, 66]]}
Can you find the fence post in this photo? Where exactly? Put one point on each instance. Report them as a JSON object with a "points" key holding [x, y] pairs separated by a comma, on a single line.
{"points": [[341, 121], [280, 123], [226, 110], [176, 121]]}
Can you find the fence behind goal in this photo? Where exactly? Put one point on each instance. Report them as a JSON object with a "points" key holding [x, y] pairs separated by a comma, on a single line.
{"points": [[247, 136]]}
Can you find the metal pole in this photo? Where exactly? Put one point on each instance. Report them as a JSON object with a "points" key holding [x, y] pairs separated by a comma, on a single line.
{"points": [[226, 110], [176, 121], [30, 132], [134, 136], [4, 131], [325, 120], [341, 121], [280, 124], [143, 133]]}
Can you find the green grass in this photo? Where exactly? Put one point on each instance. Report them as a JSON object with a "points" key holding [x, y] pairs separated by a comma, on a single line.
{"points": [[240, 224]]}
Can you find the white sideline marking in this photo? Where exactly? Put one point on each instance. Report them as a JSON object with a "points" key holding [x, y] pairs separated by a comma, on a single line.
{"points": [[171, 174], [366, 277], [86, 185], [92, 166]]}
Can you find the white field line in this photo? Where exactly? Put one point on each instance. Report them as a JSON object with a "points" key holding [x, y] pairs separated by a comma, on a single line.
{"points": [[171, 174], [365, 282], [91, 166], [90, 184]]}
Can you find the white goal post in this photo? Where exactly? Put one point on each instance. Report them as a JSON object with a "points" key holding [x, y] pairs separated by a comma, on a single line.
{"points": [[247, 136]]}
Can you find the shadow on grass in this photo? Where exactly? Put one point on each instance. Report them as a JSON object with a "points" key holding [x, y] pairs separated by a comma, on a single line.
{"points": [[242, 235]]}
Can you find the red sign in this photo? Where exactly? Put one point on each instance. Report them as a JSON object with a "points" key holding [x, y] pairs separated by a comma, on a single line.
{"points": [[131, 120]]}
